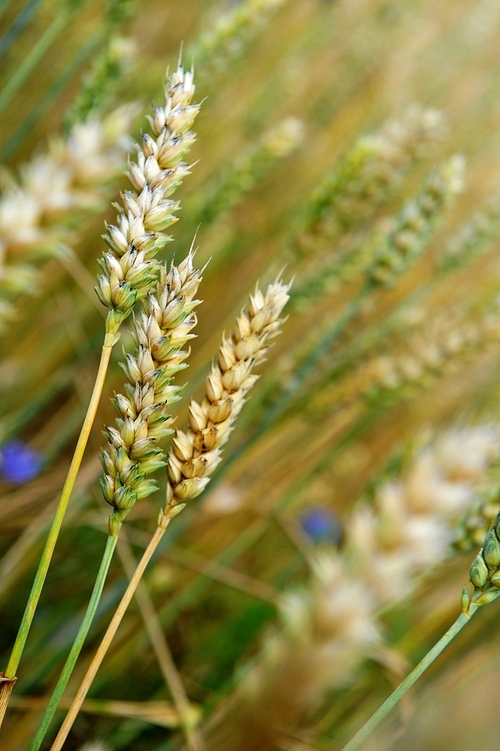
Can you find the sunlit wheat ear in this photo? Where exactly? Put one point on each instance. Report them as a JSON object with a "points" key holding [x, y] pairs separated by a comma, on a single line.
{"points": [[130, 267], [196, 452], [160, 333], [409, 526]]}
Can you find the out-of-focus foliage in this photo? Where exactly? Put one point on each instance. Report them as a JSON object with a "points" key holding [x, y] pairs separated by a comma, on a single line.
{"points": [[357, 144]]}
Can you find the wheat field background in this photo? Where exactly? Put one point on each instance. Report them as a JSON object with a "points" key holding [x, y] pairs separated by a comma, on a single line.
{"points": [[360, 385]]}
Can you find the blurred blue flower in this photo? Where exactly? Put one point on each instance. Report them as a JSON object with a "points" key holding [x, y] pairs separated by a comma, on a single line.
{"points": [[18, 462], [321, 524]]}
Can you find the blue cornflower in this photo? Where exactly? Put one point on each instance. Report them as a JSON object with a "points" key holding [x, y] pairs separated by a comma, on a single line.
{"points": [[321, 524], [19, 463]]}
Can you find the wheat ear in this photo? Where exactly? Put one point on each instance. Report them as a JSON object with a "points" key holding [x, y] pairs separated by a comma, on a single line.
{"points": [[196, 452], [130, 267]]}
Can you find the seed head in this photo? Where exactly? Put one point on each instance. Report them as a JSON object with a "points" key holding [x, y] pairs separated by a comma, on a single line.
{"points": [[130, 268], [196, 452]]}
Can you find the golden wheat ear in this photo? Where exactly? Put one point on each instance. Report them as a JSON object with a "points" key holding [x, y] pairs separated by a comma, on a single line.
{"points": [[197, 452]]}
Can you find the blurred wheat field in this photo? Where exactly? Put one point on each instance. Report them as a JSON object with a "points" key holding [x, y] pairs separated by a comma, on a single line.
{"points": [[326, 146]]}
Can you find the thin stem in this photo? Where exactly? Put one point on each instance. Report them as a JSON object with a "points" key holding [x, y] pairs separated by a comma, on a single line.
{"points": [[162, 650], [109, 635], [412, 678], [77, 644], [44, 564]]}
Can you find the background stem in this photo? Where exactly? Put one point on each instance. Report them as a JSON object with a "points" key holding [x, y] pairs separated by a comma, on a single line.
{"points": [[109, 635], [161, 648], [77, 644], [412, 678]]}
